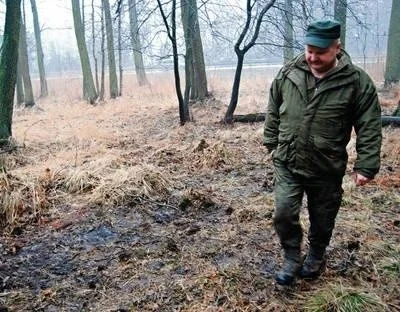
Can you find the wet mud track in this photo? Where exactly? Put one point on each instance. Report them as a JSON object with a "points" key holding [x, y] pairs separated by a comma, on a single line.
{"points": [[146, 256]]}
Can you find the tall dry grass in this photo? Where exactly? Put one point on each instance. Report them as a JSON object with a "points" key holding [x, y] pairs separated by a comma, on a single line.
{"points": [[90, 149]]}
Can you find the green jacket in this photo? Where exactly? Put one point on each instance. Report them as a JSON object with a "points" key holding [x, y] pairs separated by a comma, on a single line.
{"points": [[309, 125]]}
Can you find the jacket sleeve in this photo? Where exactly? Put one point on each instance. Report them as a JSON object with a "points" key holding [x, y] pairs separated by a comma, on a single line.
{"points": [[272, 116], [368, 127]]}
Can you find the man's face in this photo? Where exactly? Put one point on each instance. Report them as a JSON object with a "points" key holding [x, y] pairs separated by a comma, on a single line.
{"points": [[322, 60]]}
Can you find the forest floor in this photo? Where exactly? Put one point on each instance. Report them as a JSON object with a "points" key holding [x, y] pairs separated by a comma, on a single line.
{"points": [[118, 208]]}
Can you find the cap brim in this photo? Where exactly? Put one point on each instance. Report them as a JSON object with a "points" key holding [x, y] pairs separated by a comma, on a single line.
{"points": [[319, 42]]}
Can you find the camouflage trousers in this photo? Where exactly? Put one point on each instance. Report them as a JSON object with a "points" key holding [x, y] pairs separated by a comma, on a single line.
{"points": [[324, 196]]}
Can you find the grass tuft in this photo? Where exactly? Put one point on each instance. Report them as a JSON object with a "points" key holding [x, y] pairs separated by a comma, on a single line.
{"points": [[341, 299], [127, 183]]}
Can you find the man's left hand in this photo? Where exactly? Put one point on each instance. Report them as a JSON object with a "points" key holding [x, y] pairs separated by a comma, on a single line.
{"points": [[359, 179]]}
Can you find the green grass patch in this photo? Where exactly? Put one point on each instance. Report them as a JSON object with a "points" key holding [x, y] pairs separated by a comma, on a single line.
{"points": [[341, 299]]}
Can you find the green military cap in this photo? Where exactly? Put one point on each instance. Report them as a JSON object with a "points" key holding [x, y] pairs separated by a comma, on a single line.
{"points": [[322, 33]]}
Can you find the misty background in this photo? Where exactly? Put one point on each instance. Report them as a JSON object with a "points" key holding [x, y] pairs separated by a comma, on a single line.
{"points": [[220, 23]]}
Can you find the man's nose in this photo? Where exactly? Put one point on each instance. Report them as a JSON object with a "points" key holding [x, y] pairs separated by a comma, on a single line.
{"points": [[313, 58]]}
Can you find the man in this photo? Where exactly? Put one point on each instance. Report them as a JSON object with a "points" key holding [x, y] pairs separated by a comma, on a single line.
{"points": [[315, 101]]}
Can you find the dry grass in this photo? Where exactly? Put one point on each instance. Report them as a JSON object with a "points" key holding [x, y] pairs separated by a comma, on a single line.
{"points": [[133, 149], [341, 299]]}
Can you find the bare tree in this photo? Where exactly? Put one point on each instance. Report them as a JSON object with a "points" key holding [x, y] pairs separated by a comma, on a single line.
{"points": [[8, 68], [83, 17], [39, 51], [103, 58], [24, 67], [136, 44], [184, 115], [194, 51], [241, 48], [121, 11], [20, 85], [392, 71], [112, 70], [91, 94], [340, 14], [95, 61], [288, 51]]}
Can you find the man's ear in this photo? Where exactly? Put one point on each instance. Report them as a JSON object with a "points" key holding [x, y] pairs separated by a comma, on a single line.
{"points": [[338, 46]]}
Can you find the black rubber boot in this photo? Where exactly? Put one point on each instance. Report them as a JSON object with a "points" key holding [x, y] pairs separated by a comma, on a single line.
{"points": [[313, 265], [288, 273], [290, 268]]}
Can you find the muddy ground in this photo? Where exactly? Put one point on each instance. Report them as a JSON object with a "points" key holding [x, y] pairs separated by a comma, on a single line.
{"points": [[204, 244]]}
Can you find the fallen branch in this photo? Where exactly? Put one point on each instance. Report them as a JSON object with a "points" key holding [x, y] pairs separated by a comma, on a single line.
{"points": [[255, 117], [258, 117], [390, 121]]}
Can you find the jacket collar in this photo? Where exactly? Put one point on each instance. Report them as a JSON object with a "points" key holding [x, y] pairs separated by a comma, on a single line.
{"points": [[344, 70], [344, 63]]}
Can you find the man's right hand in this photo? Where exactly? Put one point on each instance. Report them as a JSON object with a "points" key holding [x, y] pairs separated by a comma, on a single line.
{"points": [[359, 179]]}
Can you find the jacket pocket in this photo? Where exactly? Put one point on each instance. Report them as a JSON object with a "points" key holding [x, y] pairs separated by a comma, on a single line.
{"points": [[282, 150], [329, 157]]}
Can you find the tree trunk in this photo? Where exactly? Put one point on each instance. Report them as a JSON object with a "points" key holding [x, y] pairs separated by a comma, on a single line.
{"points": [[241, 51], [288, 51], [20, 86], [184, 115], [112, 70], [191, 28], [85, 92], [183, 109], [136, 45], [254, 117], [103, 56], [26, 76], [235, 89], [396, 112], [8, 67], [96, 73], [39, 51], [83, 53], [189, 70], [392, 71], [120, 47], [340, 14]]}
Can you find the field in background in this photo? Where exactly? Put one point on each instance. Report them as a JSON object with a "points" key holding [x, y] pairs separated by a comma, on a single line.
{"points": [[116, 206]]}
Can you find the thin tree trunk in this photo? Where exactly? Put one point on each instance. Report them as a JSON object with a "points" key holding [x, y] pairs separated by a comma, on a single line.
{"points": [[288, 51], [183, 109], [235, 90], [397, 110], [193, 42], [340, 14], [136, 45], [85, 93], [120, 47], [103, 56], [200, 90], [39, 51], [20, 86], [189, 70], [392, 70], [26, 76], [112, 71], [96, 74], [8, 67], [184, 115], [83, 53], [240, 52]]}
